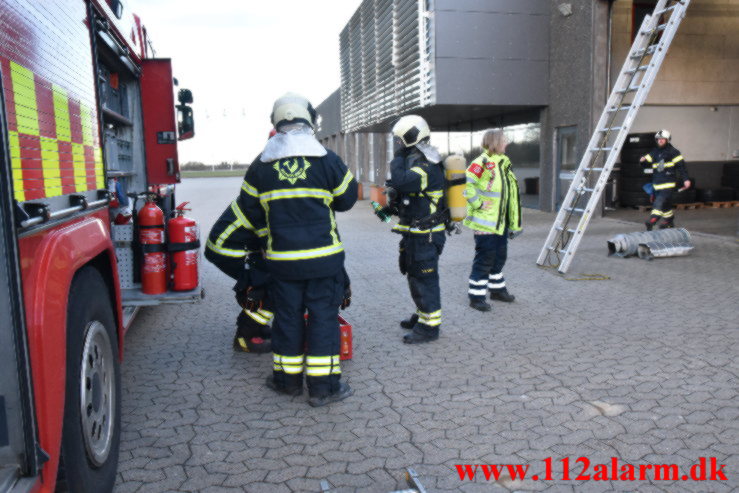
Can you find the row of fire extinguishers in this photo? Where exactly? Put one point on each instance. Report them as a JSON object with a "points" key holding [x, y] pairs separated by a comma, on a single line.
{"points": [[168, 255]]}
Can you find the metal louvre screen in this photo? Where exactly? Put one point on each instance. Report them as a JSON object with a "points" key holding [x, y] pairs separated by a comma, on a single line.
{"points": [[386, 67]]}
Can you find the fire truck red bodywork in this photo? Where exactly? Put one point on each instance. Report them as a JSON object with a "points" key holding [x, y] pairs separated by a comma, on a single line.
{"points": [[48, 70]]}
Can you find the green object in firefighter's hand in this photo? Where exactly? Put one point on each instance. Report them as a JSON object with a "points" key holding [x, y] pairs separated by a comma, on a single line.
{"points": [[380, 212]]}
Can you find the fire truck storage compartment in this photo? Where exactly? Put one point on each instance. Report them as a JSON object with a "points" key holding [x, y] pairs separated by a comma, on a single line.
{"points": [[131, 295], [120, 98]]}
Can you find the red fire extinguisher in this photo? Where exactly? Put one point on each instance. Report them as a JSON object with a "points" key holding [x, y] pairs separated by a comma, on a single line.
{"points": [[151, 236], [184, 245]]}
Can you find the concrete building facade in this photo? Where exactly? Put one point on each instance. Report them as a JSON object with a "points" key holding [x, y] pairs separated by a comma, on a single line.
{"points": [[541, 70]]}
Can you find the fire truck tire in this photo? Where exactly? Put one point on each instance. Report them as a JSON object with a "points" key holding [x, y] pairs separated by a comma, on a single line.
{"points": [[92, 411]]}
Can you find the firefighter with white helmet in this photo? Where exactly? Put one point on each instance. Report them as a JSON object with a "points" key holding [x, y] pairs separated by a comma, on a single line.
{"points": [[668, 170], [289, 198], [417, 187]]}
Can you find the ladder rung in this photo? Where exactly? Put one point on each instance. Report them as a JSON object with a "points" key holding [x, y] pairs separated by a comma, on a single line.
{"points": [[635, 70], [660, 12], [630, 89], [610, 128], [596, 149], [575, 209], [620, 108], [650, 50], [558, 250], [586, 189], [560, 228], [595, 169], [662, 27]]}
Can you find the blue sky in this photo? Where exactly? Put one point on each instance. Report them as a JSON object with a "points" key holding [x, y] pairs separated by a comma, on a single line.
{"points": [[238, 56]]}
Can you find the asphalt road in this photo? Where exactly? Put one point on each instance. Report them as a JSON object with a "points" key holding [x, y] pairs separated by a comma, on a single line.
{"points": [[642, 367]]}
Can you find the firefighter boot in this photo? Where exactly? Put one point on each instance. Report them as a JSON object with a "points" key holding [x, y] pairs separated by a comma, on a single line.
{"points": [[409, 322], [342, 393], [480, 305], [421, 333], [292, 391], [649, 223], [502, 295], [668, 223]]}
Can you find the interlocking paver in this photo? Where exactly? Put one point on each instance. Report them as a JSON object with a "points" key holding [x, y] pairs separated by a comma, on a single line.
{"points": [[643, 367]]}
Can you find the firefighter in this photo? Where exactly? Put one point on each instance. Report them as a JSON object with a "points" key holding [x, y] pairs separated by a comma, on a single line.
{"points": [[668, 168], [416, 187], [494, 214], [235, 249], [290, 194]]}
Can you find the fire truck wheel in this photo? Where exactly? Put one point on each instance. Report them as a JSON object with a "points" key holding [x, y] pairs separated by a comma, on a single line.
{"points": [[92, 411]]}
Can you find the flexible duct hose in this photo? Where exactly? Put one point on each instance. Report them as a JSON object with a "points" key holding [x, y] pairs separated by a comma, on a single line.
{"points": [[626, 245]]}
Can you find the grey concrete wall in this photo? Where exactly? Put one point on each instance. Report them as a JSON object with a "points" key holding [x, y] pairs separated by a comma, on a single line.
{"points": [[577, 82], [330, 112], [492, 52]]}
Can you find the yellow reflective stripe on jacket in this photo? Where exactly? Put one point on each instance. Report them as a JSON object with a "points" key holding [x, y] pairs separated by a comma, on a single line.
{"points": [[663, 186], [344, 184], [404, 228], [295, 193], [249, 189], [257, 317], [424, 176], [225, 251], [305, 254], [245, 223]]}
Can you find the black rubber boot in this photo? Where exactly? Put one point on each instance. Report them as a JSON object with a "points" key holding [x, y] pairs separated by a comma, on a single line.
{"points": [[252, 345], [480, 305], [292, 391], [408, 323], [502, 295], [416, 338], [649, 225], [322, 400], [667, 225]]}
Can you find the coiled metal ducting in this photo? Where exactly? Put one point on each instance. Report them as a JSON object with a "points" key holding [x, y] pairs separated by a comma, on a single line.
{"points": [[649, 244]]}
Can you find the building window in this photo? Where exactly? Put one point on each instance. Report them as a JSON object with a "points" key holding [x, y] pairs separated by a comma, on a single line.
{"points": [[639, 10]]}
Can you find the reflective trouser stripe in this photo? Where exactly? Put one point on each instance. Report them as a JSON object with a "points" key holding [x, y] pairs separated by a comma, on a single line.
{"points": [[322, 366], [432, 319], [657, 212], [292, 365], [260, 316], [668, 214], [496, 281], [664, 186], [481, 282]]}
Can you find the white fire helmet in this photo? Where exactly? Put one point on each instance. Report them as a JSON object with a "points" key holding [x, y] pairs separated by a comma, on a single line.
{"points": [[663, 134], [293, 108], [411, 130]]}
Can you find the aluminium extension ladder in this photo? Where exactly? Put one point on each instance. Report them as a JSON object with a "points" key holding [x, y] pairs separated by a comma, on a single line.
{"points": [[629, 94]]}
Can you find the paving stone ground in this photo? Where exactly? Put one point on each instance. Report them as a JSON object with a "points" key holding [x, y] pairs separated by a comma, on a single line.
{"points": [[643, 367]]}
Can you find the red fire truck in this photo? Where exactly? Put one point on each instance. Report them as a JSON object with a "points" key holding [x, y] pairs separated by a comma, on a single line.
{"points": [[88, 122]]}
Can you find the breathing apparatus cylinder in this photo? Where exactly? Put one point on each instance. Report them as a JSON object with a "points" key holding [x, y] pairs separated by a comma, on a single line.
{"points": [[455, 166]]}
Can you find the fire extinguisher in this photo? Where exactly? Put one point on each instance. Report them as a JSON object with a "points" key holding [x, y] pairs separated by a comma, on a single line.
{"points": [[184, 246], [151, 237]]}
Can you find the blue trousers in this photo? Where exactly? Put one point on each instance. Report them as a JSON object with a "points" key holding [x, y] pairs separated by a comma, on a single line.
{"points": [[311, 346], [662, 207], [491, 252]]}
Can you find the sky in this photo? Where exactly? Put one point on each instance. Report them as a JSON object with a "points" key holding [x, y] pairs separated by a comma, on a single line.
{"points": [[238, 56]]}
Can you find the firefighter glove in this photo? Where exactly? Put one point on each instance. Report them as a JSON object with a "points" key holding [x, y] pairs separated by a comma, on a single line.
{"points": [[347, 300], [512, 235]]}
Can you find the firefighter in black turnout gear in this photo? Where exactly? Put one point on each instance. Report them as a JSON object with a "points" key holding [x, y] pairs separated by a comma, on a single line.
{"points": [[668, 171], [417, 177], [235, 249], [290, 194]]}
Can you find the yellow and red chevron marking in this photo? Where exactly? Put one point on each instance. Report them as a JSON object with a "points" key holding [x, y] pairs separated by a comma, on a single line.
{"points": [[54, 143]]}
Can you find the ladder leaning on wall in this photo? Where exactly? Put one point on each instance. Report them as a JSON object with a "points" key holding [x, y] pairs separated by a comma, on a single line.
{"points": [[629, 94]]}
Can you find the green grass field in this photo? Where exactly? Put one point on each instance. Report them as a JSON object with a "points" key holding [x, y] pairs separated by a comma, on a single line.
{"points": [[212, 174]]}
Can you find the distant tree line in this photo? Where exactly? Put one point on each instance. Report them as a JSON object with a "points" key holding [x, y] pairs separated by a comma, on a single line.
{"points": [[222, 166]]}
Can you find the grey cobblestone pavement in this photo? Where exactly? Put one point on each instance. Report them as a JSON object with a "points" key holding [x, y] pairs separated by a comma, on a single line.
{"points": [[642, 367]]}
